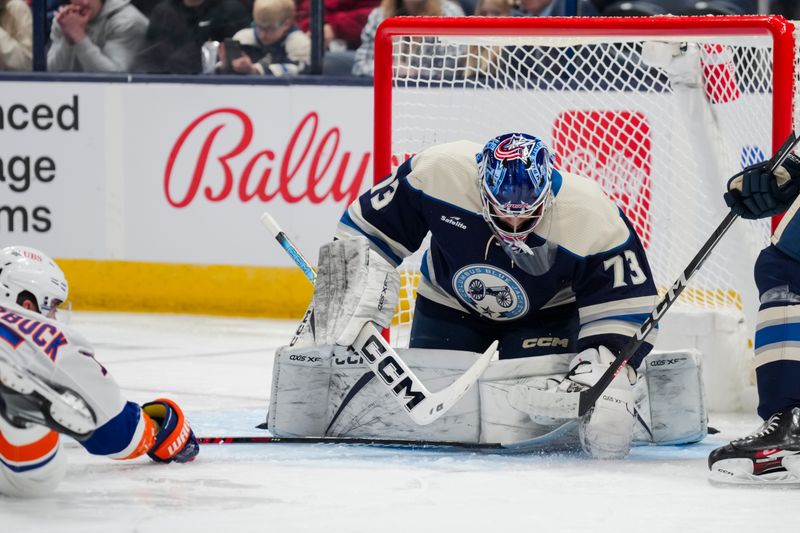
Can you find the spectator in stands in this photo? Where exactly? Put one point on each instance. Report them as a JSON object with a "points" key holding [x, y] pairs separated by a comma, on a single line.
{"points": [[552, 8], [493, 8], [178, 29], [344, 20], [16, 45], [96, 36], [790, 9], [484, 60], [433, 54], [272, 45]]}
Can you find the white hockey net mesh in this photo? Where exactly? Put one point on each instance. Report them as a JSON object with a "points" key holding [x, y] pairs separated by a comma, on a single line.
{"points": [[661, 124]]}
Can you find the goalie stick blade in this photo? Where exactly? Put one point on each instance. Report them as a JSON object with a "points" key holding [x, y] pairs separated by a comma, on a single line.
{"points": [[421, 405]]}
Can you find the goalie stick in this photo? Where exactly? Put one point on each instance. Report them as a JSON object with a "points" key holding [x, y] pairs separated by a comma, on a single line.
{"points": [[422, 405], [576, 404]]}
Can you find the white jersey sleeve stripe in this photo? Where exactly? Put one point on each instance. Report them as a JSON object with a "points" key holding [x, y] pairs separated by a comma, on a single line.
{"points": [[614, 327], [628, 306], [771, 353]]}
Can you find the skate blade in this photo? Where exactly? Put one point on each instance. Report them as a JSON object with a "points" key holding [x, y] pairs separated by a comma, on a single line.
{"points": [[727, 477], [63, 411]]}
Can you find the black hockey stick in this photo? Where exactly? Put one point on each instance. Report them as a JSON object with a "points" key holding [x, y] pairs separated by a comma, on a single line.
{"points": [[350, 441], [577, 404], [560, 438], [590, 395]]}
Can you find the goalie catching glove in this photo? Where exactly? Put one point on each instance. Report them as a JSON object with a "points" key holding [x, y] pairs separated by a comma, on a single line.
{"points": [[355, 285], [606, 431], [757, 193], [174, 439]]}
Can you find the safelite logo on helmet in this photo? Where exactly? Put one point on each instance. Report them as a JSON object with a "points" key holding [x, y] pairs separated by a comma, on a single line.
{"points": [[491, 292]]}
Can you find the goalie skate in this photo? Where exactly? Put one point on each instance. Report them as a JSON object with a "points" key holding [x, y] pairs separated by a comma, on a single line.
{"points": [[28, 399], [770, 456]]}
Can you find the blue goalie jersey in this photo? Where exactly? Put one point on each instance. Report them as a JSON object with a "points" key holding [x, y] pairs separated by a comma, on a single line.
{"points": [[586, 255]]}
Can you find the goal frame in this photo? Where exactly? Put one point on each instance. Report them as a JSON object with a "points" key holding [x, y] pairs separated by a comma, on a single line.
{"points": [[778, 28]]}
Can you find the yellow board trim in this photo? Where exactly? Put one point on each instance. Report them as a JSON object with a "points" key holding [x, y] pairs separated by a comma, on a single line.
{"points": [[269, 292]]}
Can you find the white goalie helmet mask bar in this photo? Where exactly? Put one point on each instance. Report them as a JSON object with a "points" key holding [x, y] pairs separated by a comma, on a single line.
{"points": [[24, 269], [515, 172]]}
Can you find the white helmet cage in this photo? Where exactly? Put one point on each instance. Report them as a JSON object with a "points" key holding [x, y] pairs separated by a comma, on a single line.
{"points": [[24, 269]]}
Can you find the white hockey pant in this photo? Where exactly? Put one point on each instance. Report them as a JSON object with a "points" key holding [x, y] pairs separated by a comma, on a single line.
{"points": [[31, 460]]}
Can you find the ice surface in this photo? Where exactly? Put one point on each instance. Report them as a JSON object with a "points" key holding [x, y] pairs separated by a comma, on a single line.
{"points": [[219, 369]]}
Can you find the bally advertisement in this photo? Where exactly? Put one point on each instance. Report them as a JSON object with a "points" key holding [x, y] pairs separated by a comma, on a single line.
{"points": [[145, 183]]}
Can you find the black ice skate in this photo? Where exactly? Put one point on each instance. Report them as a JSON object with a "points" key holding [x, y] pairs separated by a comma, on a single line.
{"points": [[28, 399], [771, 455]]}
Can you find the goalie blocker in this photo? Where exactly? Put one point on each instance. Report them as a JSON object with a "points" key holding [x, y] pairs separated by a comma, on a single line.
{"points": [[327, 391]]}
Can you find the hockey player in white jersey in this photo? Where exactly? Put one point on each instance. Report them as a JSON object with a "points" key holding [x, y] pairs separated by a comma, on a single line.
{"points": [[771, 454], [520, 252], [51, 384]]}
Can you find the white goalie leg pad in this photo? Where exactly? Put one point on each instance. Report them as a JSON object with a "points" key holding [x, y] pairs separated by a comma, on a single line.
{"points": [[301, 382], [324, 391], [507, 415], [355, 285], [361, 407], [670, 399]]}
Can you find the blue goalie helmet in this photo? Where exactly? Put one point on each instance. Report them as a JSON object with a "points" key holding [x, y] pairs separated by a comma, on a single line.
{"points": [[516, 184]]}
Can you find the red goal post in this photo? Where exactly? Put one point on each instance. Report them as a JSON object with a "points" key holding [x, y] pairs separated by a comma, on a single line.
{"points": [[779, 30], [659, 110]]}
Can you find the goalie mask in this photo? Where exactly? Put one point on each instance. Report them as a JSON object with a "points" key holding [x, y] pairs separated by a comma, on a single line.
{"points": [[24, 269], [515, 184]]}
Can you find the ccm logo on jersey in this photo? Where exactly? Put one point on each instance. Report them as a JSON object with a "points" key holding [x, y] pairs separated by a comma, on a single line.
{"points": [[42, 334], [545, 342]]}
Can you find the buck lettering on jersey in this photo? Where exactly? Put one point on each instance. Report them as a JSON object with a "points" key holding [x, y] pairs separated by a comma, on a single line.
{"points": [[44, 335]]}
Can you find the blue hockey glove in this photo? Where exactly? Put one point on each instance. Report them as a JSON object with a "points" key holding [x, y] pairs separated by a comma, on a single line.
{"points": [[175, 440], [756, 193]]}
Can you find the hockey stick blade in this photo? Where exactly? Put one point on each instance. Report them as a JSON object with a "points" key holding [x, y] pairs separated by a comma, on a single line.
{"points": [[421, 405]]}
